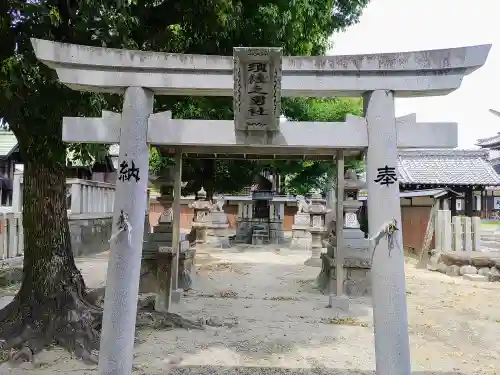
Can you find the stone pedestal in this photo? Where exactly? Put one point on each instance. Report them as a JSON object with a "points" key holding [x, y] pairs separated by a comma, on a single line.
{"points": [[316, 247], [243, 230], [356, 265], [218, 225], [260, 231], [243, 223], [276, 215], [186, 262], [301, 238], [161, 235], [276, 232]]}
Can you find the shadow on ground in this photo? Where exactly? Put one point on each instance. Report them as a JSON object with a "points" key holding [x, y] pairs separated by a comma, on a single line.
{"points": [[220, 370]]}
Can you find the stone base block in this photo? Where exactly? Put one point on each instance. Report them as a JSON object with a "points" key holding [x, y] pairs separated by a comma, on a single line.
{"points": [[473, 277], [300, 231], [176, 295], [217, 230], [357, 280], [259, 239], [313, 261], [353, 234], [300, 244], [220, 242], [338, 302]]}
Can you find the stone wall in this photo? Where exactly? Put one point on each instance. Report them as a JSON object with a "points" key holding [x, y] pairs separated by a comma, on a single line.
{"points": [[155, 210], [89, 235], [475, 266]]}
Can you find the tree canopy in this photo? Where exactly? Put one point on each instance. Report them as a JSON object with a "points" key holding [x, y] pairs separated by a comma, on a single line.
{"points": [[302, 176], [52, 303]]}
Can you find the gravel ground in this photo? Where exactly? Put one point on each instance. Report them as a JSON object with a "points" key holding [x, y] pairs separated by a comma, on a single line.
{"points": [[275, 322]]}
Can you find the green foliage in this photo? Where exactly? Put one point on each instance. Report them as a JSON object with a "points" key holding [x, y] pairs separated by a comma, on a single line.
{"points": [[302, 176], [300, 27], [157, 162], [33, 102]]}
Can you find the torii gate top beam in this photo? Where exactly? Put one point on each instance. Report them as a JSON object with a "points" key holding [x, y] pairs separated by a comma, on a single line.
{"points": [[408, 74]]}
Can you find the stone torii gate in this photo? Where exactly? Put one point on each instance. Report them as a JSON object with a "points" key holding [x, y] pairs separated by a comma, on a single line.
{"points": [[257, 78]]}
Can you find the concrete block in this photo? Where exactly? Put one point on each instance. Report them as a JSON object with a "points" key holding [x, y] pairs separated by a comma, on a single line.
{"points": [[458, 243], [467, 223], [176, 295], [473, 277], [476, 233], [338, 302], [468, 270]]}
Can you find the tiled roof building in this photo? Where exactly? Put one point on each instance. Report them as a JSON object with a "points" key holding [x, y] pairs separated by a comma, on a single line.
{"points": [[446, 168]]}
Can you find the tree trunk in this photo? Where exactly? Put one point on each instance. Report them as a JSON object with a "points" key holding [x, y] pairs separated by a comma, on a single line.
{"points": [[51, 305], [48, 259]]}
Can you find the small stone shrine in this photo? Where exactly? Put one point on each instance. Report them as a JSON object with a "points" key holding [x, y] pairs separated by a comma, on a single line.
{"points": [[317, 228], [357, 252], [301, 237], [261, 220], [201, 217], [261, 215]]}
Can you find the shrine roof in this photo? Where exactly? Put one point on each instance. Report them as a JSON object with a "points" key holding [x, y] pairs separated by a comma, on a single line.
{"points": [[446, 167], [489, 142], [433, 193], [8, 143]]}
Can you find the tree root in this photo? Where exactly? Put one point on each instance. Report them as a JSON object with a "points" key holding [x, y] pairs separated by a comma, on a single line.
{"points": [[32, 329], [148, 317], [72, 322]]}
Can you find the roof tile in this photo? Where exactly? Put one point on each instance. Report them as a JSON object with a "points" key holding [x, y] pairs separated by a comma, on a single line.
{"points": [[450, 167]]}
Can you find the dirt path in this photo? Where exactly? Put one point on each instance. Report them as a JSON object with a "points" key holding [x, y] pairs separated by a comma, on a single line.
{"points": [[274, 321]]}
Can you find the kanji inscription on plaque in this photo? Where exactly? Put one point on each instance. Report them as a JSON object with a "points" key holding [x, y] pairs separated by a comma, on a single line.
{"points": [[257, 88]]}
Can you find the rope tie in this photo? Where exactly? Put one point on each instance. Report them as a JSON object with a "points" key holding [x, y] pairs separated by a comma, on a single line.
{"points": [[123, 225], [387, 230]]}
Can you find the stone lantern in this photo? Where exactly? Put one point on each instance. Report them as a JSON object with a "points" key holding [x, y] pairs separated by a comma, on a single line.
{"points": [[357, 251], [317, 227], [352, 186], [201, 218], [158, 252], [162, 232]]}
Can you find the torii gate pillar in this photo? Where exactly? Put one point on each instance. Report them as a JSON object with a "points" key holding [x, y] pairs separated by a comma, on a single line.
{"points": [[392, 348], [124, 265]]}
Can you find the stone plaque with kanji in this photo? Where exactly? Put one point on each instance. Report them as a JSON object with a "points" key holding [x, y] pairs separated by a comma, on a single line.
{"points": [[257, 88]]}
